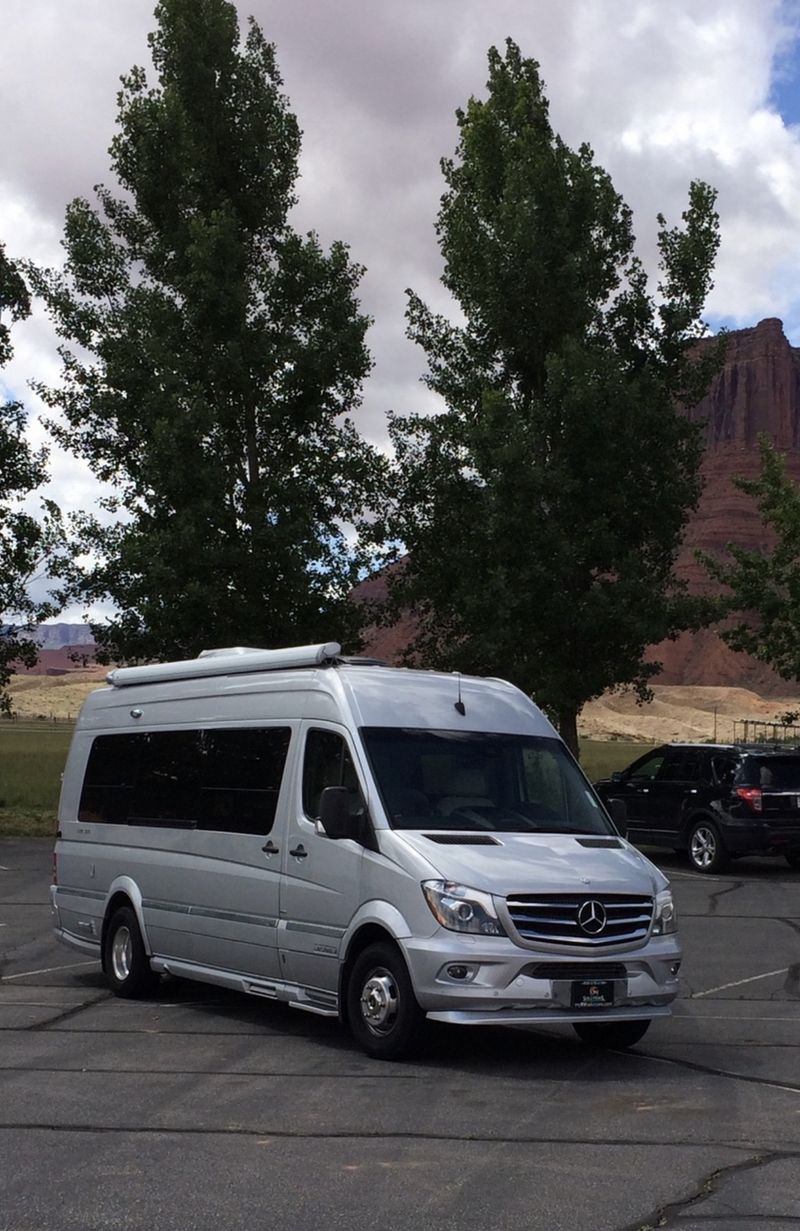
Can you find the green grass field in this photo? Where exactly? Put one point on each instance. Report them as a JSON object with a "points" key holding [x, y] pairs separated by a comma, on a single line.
{"points": [[31, 762], [32, 759]]}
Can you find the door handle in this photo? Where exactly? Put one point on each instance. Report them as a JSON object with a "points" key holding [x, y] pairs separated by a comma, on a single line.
{"points": [[299, 852], [269, 848]]}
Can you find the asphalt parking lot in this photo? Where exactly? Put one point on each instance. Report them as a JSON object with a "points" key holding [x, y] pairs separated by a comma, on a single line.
{"points": [[207, 1110]]}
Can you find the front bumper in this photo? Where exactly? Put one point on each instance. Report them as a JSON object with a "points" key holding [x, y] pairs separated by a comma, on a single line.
{"points": [[510, 985]]}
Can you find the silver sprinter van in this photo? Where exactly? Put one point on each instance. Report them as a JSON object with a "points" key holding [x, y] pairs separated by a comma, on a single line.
{"points": [[358, 840]]}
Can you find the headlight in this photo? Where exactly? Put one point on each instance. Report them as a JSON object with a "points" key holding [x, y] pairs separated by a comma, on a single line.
{"points": [[666, 919], [461, 909]]}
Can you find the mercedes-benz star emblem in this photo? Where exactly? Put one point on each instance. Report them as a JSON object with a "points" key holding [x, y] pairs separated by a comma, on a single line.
{"points": [[592, 917]]}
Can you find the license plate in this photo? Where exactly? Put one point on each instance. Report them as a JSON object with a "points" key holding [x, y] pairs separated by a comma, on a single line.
{"points": [[588, 994]]}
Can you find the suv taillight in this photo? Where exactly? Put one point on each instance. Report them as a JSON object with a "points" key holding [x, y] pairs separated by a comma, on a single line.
{"points": [[751, 795], [55, 868]]}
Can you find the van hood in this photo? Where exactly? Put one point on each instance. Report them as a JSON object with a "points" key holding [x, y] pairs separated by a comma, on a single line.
{"points": [[538, 863]]}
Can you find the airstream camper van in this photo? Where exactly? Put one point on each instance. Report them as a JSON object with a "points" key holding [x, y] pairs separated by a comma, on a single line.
{"points": [[378, 844]]}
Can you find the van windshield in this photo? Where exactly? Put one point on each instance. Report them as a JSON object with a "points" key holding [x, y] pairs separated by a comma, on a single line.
{"points": [[474, 780]]}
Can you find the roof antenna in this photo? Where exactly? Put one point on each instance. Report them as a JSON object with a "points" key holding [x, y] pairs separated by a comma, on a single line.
{"points": [[459, 704]]}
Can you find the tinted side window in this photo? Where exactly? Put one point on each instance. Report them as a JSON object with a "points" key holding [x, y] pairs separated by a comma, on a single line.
{"points": [[682, 766], [328, 763], [647, 768], [226, 781], [109, 779], [168, 781], [241, 778], [724, 770]]}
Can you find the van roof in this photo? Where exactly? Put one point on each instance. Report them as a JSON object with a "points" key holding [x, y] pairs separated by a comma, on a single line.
{"points": [[373, 693]]}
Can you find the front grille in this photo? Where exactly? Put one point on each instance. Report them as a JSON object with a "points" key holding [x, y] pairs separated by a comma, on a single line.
{"points": [[577, 970], [553, 917]]}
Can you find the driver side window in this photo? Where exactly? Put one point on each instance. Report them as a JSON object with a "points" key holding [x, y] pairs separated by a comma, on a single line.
{"points": [[648, 768], [328, 763]]}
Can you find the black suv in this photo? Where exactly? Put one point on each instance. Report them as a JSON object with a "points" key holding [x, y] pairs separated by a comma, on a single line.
{"points": [[715, 801]]}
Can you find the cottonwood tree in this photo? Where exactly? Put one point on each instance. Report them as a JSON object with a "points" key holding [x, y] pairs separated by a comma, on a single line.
{"points": [[24, 539], [210, 357], [543, 508], [764, 586]]}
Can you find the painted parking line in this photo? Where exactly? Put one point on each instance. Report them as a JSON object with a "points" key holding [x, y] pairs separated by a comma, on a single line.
{"points": [[697, 876], [723, 987], [49, 970], [722, 1017]]}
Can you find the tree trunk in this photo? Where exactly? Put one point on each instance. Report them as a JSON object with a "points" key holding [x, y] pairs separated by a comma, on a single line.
{"points": [[568, 729]]}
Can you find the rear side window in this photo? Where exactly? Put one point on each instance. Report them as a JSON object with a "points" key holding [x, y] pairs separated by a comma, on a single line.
{"points": [[242, 772], [683, 765], [110, 779], [724, 770], [225, 781]]}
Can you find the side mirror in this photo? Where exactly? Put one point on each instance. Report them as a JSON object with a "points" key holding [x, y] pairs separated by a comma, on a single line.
{"points": [[334, 813], [619, 815], [616, 776]]}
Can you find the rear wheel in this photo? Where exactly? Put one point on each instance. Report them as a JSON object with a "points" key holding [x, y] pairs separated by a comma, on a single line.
{"points": [[382, 1009], [706, 852], [125, 961], [615, 1035]]}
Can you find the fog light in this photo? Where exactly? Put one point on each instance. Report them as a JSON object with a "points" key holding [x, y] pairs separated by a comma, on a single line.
{"points": [[458, 972], [674, 968]]}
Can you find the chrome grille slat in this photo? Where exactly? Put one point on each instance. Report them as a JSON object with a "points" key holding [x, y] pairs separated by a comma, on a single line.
{"points": [[553, 918]]}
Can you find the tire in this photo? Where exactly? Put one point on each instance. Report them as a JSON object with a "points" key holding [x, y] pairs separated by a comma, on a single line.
{"points": [[382, 1010], [793, 862], [615, 1035], [125, 961], [706, 852]]}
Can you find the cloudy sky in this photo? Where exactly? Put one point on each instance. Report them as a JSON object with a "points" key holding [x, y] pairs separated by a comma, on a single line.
{"points": [[664, 92]]}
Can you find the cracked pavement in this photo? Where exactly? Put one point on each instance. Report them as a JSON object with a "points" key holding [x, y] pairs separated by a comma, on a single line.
{"points": [[203, 1109]]}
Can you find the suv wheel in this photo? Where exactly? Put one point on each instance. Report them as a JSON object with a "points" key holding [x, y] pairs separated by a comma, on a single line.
{"points": [[706, 852]]}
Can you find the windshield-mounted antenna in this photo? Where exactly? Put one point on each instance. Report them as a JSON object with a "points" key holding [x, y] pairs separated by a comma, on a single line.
{"points": [[459, 704]]}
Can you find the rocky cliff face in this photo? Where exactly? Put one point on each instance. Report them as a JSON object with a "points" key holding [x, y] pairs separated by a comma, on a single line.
{"points": [[757, 390]]}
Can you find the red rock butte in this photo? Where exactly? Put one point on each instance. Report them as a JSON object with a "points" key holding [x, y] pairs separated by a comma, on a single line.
{"points": [[756, 391]]}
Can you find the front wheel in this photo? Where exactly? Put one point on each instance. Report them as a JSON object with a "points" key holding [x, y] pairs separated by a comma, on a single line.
{"points": [[382, 1010], [125, 960], [793, 862], [613, 1035], [706, 852]]}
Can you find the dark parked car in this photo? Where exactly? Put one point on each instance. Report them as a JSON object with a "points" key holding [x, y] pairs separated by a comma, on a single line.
{"points": [[715, 801]]}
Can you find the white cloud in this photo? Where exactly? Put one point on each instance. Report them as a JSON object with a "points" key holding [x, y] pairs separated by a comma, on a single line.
{"points": [[664, 94]]}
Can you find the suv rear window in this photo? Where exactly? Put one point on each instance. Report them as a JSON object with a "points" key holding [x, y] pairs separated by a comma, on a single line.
{"points": [[779, 772]]}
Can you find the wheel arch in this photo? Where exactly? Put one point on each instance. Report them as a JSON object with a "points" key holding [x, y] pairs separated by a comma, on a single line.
{"points": [[371, 932], [692, 818], [124, 892]]}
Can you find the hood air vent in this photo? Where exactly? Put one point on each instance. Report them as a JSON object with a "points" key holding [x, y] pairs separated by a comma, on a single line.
{"points": [[462, 839], [602, 843]]}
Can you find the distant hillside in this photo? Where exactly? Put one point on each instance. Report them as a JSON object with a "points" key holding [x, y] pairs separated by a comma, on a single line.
{"points": [[56, 636]]}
